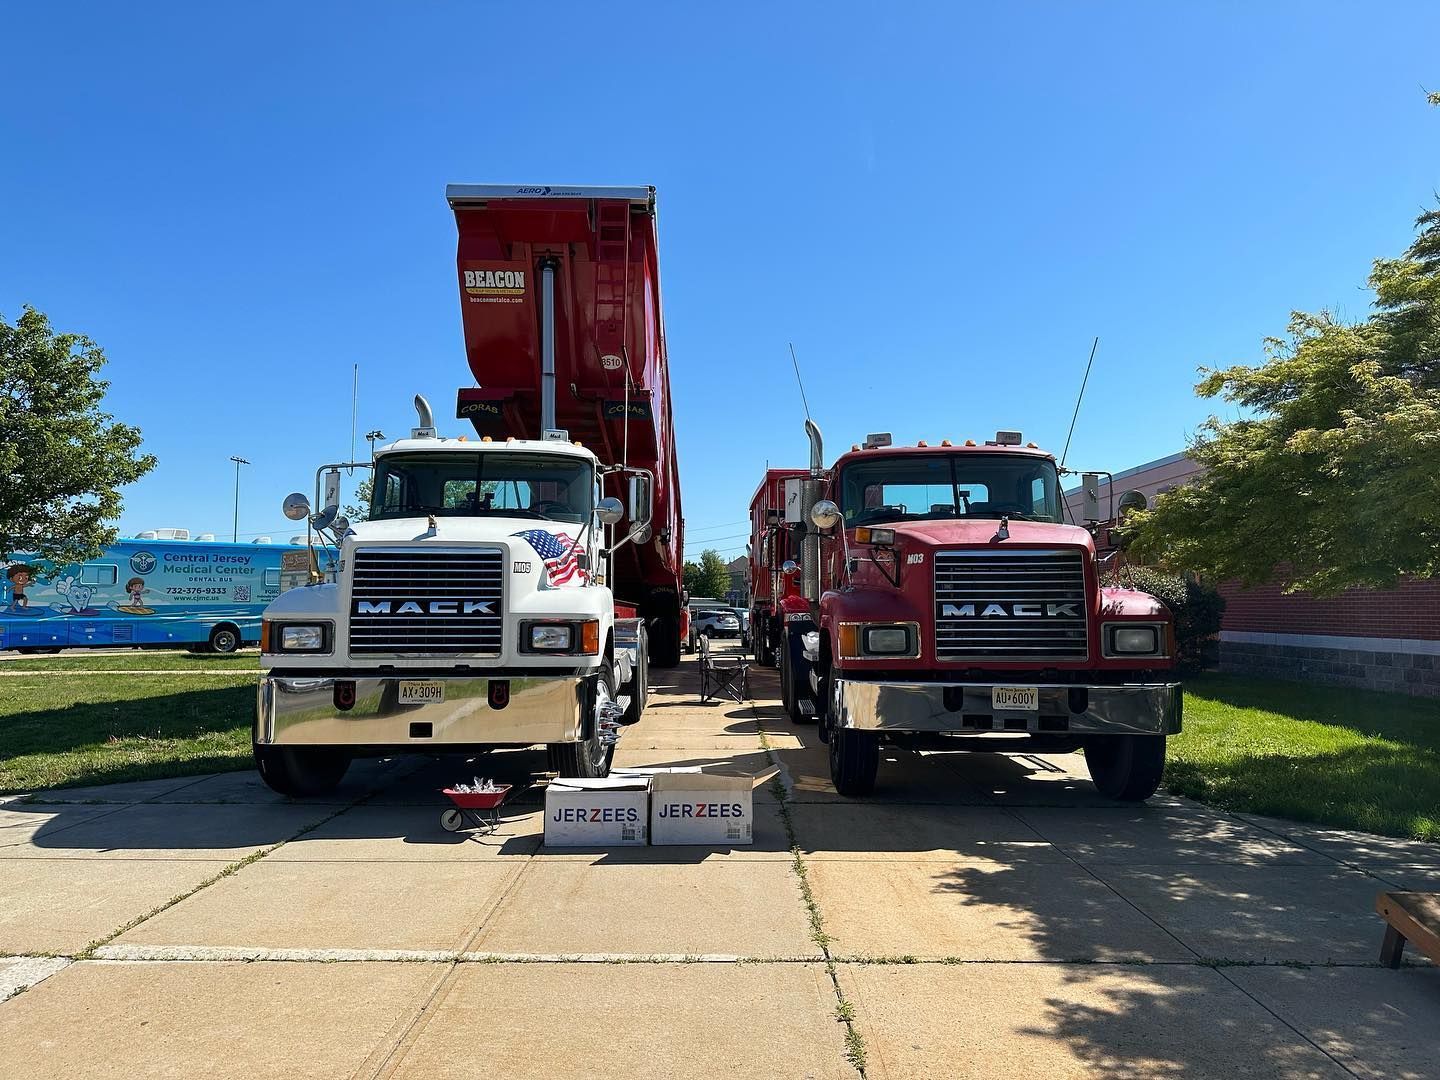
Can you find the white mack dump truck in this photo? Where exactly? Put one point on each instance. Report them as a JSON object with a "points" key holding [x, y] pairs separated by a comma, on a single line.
{"points": [[470, 611]]}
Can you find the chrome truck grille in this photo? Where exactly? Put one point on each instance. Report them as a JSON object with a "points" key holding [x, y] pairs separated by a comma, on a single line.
{"points": [[417, 603], [1014, 605]]}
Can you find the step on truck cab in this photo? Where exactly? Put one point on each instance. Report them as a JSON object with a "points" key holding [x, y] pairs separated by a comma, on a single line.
{"points": [[951, 606], [509, 586]]}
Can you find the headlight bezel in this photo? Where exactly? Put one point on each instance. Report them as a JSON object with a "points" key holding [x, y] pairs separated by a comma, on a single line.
{"points": [[1110, 636], [277, 632], [855, 640], [584, 637]]}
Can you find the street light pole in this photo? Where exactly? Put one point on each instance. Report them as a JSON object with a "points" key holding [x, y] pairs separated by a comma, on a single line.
{"points": [[372, 436], [235, 527]]}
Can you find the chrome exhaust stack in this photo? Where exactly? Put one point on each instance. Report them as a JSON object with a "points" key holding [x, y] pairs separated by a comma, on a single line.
{"points": [[425, 428]]}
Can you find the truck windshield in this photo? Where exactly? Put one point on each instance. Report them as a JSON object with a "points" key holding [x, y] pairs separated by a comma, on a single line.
{"points": [[921, 487], [483, 484]]}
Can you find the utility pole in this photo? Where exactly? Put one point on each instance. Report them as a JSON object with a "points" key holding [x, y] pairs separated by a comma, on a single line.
{"points": [[235, 527], [373, 436]]}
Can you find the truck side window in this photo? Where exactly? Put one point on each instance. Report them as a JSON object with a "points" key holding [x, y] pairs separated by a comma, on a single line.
{"points": [[99, 574]]}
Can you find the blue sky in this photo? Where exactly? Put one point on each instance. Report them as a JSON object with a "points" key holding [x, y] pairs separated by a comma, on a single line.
{"points": [[940, 206]]}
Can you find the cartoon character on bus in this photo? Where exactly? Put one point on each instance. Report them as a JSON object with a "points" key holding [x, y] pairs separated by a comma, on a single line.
{"points": [[136, 589], [21, 577], [75, 597]]}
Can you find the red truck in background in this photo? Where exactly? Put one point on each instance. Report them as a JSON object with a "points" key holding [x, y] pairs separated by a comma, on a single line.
{"points": [[560, 301], [949, 605], [774, 559]]}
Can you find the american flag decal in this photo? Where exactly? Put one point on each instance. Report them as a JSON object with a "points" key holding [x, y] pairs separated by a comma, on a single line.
{"points": [[559, 554]]}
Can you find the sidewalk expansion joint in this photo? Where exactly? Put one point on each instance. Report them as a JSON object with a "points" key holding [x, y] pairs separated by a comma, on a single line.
{"points": [[233, 868], [844, 1009]]}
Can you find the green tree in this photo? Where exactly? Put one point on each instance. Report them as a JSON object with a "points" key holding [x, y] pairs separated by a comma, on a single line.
{"points": [[708, 577], [359, 510], [63, 458], [1329, 479]]}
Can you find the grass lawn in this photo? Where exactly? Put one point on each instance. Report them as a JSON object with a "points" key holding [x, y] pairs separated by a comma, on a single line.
{"points": [[136, 660], [102, 729], [1351, 758]]}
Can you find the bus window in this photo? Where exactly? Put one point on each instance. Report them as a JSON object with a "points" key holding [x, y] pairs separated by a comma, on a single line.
{"points": [[99, 574], [272, 579]]}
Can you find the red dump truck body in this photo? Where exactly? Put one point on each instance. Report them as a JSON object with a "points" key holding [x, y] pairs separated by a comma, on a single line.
{"points": [[567, 280], [773, 542]]}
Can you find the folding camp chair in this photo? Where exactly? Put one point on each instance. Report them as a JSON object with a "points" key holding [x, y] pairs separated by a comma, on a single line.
{"points": [[729, 676]]}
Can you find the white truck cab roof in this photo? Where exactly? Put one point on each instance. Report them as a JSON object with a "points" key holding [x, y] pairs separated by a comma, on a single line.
{"points": [[465, 445]]}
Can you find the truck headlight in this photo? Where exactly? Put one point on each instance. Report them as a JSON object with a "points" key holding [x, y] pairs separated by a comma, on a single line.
{"points": [[299, 637], [1138, 640], [550, 638], [578, 638], [859, 641], [886, 640]]}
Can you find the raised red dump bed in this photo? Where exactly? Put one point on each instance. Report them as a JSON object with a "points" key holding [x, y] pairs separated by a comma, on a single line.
{"points": [[582, 260]]}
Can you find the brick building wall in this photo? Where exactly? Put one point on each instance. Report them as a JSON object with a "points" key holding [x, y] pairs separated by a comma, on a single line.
{"points": [[1382, 639]]}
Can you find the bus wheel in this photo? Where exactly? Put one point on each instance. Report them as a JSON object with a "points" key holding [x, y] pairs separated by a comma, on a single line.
{"points": [[224, 639], [300, 773]]}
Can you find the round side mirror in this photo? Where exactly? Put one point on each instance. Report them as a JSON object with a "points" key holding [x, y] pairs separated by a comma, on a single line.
{"points": [[296, 506], [341, 524], [644, 534], [326, 517], [1132, 500], [824, 514], [609, 510], [790, 568]]}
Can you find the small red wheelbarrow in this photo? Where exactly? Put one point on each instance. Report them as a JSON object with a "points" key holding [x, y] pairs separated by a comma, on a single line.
{"points": [[480, 808]]}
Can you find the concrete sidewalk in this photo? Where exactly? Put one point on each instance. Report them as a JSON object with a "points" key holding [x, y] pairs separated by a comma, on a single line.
{"points": [[979, 916]]}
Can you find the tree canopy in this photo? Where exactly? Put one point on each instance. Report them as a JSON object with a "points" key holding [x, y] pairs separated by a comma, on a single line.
{"points": [[708, 577], [1331, 477], [63, 458]]}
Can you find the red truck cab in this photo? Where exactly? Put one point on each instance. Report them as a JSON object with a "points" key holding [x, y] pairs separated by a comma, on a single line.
{"points": [[954, 606], [775, 538]]}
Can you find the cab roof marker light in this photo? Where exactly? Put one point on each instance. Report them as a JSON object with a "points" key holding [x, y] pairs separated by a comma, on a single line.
{"points": [[946, 442], [486, 438], [922, 442]]}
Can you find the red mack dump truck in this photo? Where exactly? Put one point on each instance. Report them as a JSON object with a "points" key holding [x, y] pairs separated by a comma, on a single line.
{"points": [[950, 606], [776, 529], [560, 298]]}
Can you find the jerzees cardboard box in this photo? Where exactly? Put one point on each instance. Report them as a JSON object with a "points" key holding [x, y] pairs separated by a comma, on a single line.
{"points": [[708, 806], [613, 812]]}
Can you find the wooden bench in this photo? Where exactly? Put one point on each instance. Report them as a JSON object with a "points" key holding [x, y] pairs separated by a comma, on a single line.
{"points": [[1412, 917]]}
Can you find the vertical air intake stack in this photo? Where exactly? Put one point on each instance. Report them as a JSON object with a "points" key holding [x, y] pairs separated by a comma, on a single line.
{"points": [[809, 495]]}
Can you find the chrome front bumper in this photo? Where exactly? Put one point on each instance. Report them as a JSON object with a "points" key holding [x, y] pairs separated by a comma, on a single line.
{"points": [[293, 711], [965, 709]]}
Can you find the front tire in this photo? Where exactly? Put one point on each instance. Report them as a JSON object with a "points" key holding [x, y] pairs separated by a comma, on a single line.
{"points": [[854, 761], [590, 758], [301, 773], [790, 690], [224, 639], [1127, 768], [640, 684]]}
